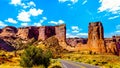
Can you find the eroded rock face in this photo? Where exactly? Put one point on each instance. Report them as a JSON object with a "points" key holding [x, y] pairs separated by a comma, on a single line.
{"points": [[111, 48], [61, 32], [9, 31], [96, 37], [74, 41], [23, 33], [46, 32], [5, 46]]}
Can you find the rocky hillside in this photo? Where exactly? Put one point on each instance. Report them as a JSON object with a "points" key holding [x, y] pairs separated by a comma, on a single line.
{"points": [[18, 37]]}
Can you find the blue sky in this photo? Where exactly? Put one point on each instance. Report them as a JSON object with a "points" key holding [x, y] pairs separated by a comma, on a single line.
{"points": [[76, 14]]}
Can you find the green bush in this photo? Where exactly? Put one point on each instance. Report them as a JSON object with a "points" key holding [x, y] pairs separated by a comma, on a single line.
{"points": [[33, 56]]}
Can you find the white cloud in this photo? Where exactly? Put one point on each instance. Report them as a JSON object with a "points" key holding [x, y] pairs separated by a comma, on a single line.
{"points": [[75, 29], [85, 1], [57, 22], [43, 19], [15, 2], [11, 20], [118, 31], [63, 1], [113, 17], [28, 5], [2, 24], [60, 21], [68, 35], [35, 12], [37, 24], [110, 6], [73, 1], [53, 22], [24, 16], [23, 3], [24, 24], [31, 3], [82, 35], [40, 22]]}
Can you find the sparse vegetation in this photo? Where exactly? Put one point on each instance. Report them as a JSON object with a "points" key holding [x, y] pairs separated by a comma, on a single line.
{"points": [[104, 61], [35, 56], [52, 43], [55, 63]]}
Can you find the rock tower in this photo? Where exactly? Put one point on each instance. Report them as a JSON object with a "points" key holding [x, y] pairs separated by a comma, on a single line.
{"points": [[96, 37]]}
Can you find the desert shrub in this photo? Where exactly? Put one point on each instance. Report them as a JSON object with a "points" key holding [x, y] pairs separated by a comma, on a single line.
{"points": [[35, 56]]}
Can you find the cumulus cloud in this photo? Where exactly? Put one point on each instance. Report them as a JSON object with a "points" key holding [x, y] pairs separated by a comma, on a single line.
{"points": [[23, 3], [73, 1], [24, 24], [84, 2], [57, 22], [35, 12], [75, 29], [110, 6], [11, 20], [2, 24], [15, 2], [24, 16], [113, 17], [28, 5]]}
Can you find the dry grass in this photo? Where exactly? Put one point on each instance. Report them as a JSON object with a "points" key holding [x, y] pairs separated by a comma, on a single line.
{"points": [[105, 61]]}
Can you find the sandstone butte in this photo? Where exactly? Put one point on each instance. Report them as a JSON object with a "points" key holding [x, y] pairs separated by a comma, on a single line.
{"points": [[94, 43]]}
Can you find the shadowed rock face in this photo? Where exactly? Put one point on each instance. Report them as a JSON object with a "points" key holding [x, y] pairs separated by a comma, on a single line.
{"points": [[5, 46], [0, 30], [96, 37], [47, 31]]}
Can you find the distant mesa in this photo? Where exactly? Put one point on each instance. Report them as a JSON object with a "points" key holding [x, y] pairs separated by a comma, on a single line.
{"points": [[94, 43]]}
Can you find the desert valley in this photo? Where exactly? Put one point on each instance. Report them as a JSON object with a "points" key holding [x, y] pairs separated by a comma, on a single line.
{"points": [[14, 41]]}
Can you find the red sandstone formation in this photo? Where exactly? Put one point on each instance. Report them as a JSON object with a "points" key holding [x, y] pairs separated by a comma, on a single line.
{"points": [[96, 37], [61, 33], [8, 31], [39, 33], [74, 41], [94, 43]]}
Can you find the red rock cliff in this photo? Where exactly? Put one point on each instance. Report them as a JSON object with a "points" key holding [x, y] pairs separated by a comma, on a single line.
{"points": [[96, 37]]}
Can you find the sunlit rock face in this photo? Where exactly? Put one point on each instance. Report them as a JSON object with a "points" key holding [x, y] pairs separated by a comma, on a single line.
{"points": [[96, 37], [60, 32], [47, 31], [8, 31]]}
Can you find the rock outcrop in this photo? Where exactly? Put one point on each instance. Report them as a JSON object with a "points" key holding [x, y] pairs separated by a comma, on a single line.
{"points": [[96, 37], [10, 33], [6, 46]]}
